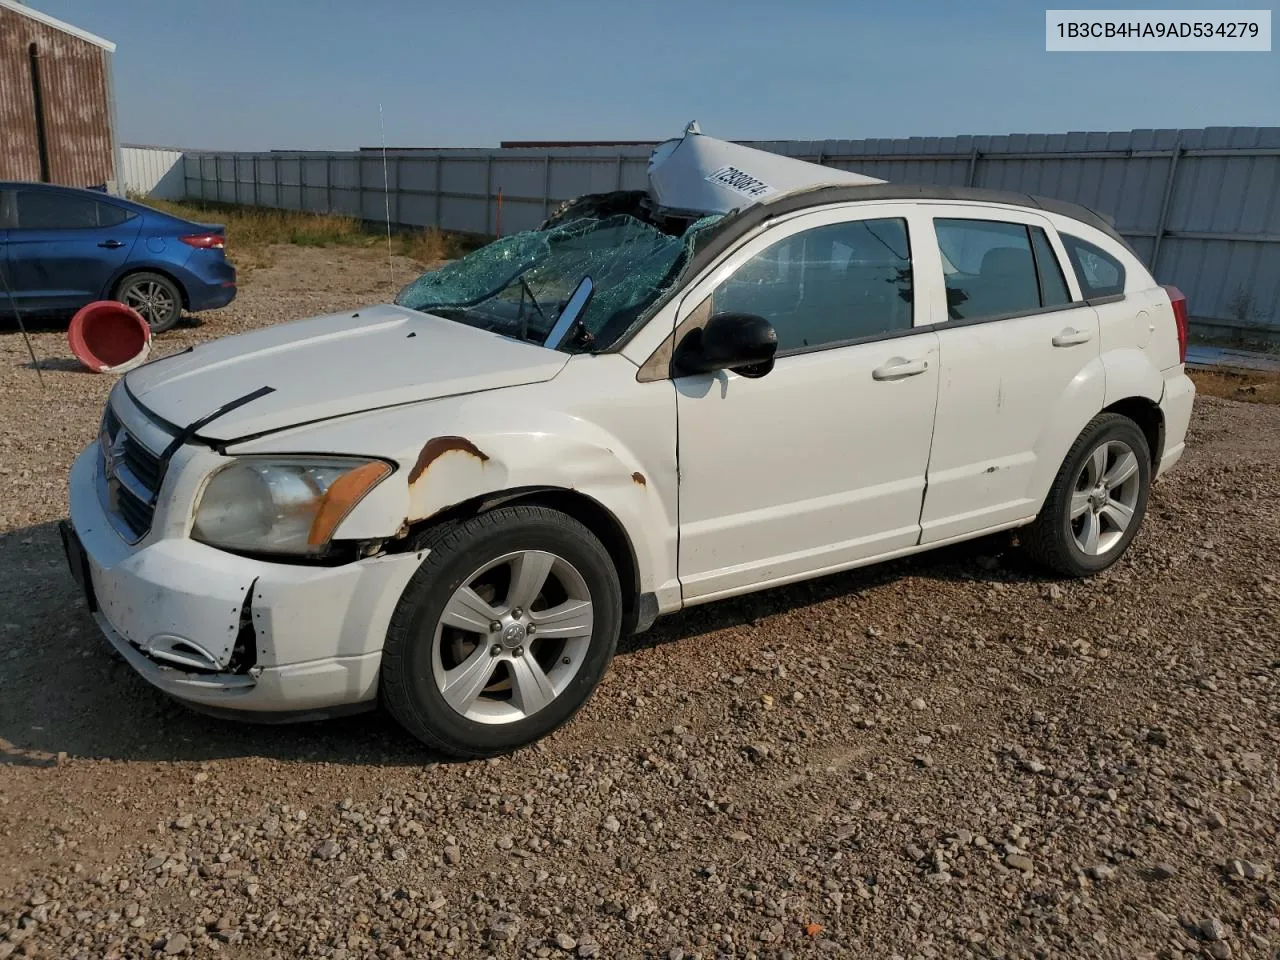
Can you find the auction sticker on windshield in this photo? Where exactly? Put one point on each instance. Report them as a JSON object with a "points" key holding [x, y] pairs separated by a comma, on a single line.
{"points": [[739, 181]]}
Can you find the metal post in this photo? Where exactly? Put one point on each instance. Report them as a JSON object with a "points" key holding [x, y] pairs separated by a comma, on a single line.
{"points": [[302, 183], [439, 163], [488, 189], [973, 168], [396, 205], [1163, 221], [256, 202], [618, 178], [275, 175], [546, 186], [328, 184]]}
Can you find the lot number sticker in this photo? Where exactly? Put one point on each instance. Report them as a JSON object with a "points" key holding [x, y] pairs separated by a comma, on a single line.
{"points": [[739, 181]]}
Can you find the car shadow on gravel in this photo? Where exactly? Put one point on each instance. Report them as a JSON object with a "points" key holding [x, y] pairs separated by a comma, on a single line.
{"points": [[987, 559], [67, 695]]}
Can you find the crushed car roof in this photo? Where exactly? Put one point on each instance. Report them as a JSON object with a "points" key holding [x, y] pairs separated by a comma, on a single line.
{"points": [[699, 175]]}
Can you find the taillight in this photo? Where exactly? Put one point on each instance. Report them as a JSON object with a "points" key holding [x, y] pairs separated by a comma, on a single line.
{"points": [[1178, 300], [205, 241]]}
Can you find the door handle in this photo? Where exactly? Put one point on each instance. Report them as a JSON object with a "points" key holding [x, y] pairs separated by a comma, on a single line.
{"points": [[111, 244], [899, 368], [1071, 337]]}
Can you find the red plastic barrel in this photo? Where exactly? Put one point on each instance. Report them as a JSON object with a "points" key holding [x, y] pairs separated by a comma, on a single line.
{"points": [[107, 337]]}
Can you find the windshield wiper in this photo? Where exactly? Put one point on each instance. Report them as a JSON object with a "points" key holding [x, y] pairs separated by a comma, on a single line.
{"points": [[524, 323]]}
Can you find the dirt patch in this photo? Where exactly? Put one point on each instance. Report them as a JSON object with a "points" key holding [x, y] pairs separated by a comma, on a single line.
{"points": [[1244, 385], [949, 756]]}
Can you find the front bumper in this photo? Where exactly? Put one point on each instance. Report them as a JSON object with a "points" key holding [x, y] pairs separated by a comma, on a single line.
{"points": [[317, 632]]}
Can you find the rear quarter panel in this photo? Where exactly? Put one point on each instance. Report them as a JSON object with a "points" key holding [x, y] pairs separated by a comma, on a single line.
{"points": [[1138, 336]]}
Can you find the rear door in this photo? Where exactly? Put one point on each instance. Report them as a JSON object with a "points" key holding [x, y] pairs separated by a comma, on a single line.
{"points": [[64, 246], [1021, 371]]}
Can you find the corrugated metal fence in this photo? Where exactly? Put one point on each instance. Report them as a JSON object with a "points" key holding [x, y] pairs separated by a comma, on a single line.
{"points": [[1202, 205]]}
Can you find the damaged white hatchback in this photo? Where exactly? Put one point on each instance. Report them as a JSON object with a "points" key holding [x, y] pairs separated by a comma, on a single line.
{"points": [[754, 372]]}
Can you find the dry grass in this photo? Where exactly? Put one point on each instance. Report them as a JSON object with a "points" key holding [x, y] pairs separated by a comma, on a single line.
{"points": [[1251, 386], [253, 231], [431, 245]]}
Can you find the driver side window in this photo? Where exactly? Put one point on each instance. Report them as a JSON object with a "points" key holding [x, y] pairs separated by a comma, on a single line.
{"points": [[827, 286]]}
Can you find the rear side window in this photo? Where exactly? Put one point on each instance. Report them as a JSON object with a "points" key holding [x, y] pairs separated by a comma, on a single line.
{"points": [[109, 214], [989, 268], [997, 269], [46, 210], [1100, 274]]}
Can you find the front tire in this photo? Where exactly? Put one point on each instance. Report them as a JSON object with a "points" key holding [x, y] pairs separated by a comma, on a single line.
{"points": [[502, 633], [156, 298], [1097, 501]]}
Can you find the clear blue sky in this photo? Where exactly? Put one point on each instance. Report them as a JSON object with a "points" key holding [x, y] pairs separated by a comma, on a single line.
{"points": [[256, 74]]}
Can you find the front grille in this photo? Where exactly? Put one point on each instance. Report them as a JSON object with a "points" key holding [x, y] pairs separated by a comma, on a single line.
{"points": [[133, 475], [135, 513], [146, 466]]}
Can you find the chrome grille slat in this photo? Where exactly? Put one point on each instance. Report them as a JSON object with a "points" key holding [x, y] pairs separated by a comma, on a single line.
{"points": [[136, 514], [141, 462], [132, 484]]}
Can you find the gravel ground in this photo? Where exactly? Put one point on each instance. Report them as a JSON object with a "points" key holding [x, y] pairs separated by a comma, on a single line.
{"points": [[947, 756]]}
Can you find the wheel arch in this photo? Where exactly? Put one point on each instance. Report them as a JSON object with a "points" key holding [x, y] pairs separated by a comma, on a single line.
{"points": [[638, 612], [1146, 413]]}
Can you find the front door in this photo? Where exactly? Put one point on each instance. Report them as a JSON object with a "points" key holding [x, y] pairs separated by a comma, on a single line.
{"points": [[65, 247], [819, 464]]}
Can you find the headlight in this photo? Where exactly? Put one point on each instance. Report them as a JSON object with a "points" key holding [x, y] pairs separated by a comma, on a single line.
{"points": [[282, 504]]}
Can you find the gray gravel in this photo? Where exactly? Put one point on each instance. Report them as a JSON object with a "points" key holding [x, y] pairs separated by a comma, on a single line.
{"points": [[948, 756]]}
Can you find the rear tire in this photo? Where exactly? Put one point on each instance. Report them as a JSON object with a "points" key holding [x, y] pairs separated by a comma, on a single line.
{"points": [[156, 298], [1097, 501], [502, 633]]}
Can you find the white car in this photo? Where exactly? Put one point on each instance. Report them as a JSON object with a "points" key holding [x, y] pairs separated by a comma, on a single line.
{"points": [[454, 504]]}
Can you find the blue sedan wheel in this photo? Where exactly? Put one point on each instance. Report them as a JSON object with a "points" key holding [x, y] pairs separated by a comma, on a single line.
{"points": [[154, 296]]}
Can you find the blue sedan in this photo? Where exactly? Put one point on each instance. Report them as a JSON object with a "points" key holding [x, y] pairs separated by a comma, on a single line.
{"points": [[61, 247]]}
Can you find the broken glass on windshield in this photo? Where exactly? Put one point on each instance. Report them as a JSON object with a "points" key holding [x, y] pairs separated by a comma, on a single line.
{"points": [[517, 286]]}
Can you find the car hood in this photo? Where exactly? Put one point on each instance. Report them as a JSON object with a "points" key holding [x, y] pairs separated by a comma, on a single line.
{"points": [[329, 366]]}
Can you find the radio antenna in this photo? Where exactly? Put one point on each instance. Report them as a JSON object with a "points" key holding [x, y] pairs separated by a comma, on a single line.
{"points": [[386, 200]]}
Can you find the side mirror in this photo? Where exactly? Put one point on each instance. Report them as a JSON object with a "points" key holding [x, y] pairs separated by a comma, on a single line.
{"points": [[741, 342]]}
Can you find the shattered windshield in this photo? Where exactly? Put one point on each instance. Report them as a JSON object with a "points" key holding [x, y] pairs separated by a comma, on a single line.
{"points": [[517, 285]]}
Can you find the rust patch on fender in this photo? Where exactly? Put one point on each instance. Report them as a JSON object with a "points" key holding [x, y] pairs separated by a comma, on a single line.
{"points": [[437, 448], [638, 478]]}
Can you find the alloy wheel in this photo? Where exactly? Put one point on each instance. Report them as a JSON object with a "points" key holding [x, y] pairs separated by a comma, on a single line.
{"points": [[1104, 497], [512, 637], [152, 300]]}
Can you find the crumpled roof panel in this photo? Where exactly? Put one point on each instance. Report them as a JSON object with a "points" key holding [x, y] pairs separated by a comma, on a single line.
{"points": [[700, 174]]}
